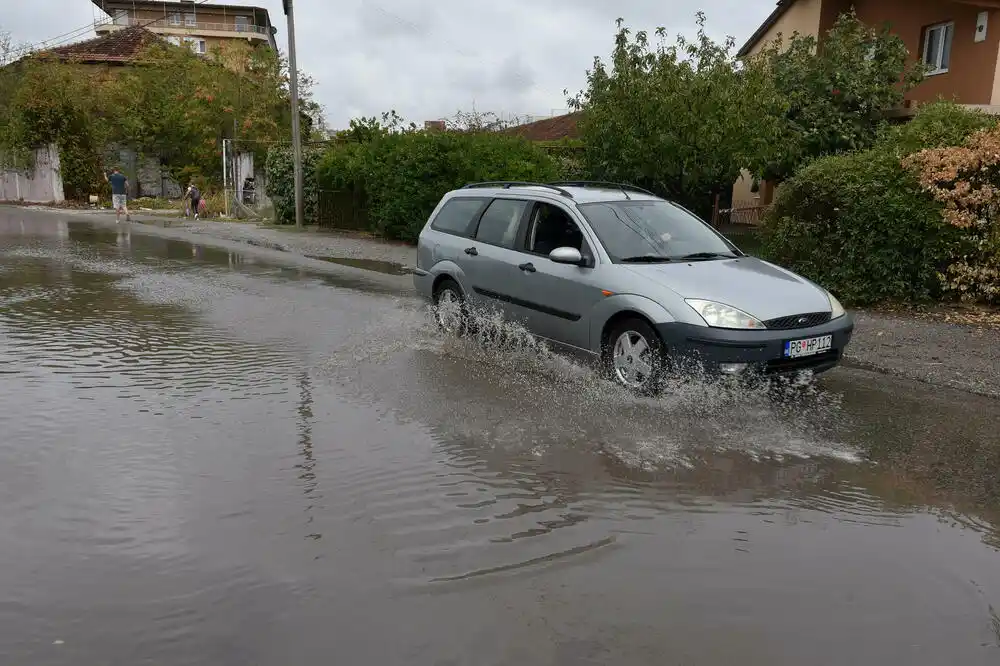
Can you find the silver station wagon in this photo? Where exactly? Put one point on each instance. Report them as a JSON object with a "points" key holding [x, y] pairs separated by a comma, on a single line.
{"points": [[623, 276]]}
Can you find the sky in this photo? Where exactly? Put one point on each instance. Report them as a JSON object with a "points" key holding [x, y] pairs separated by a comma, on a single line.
{"points": [[429, 60]]}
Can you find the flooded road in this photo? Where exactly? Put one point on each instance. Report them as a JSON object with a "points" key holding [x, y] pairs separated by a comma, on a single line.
{"points": [[209, 460]]}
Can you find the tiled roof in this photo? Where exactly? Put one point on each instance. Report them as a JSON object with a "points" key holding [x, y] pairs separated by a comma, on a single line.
{"points": [[550, 129], [120, 47]]}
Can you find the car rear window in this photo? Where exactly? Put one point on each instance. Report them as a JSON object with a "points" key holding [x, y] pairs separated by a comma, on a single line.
{"points": [[457, 215], [498, 225]]}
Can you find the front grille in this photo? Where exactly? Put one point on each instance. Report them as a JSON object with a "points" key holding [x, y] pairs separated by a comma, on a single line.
{"points": [[798, 321]]}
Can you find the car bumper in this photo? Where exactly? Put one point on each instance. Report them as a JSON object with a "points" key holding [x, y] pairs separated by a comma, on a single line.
{"points": [[738, 350], [423, 283]]}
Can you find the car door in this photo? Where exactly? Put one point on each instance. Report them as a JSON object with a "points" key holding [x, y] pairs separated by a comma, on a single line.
{"points": [[557, 298], [490, 261]]}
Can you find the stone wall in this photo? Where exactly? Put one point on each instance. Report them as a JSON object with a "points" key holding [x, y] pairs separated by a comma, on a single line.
{"points": [[39, 183], [146, 175]]}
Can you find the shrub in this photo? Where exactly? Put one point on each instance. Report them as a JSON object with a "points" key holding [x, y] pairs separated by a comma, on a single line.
{"points": [[280, 171], [966, 181], [861, 225], [403, 175], [935, 125]]}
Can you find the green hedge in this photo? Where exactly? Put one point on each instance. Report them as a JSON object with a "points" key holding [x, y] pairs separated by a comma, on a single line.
{"points": [[861, 226], [935, 125], [404, 175], [280, 172]]}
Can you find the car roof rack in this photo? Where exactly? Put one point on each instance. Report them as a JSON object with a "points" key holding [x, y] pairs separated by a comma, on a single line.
{"points": [[624, 187], [507, 184]]}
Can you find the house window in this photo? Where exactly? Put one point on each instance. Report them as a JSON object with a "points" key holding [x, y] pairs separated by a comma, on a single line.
{"points": [[242, 24], [197, 45], [176, 41], [190, 20], [175, 19], [937, 47], [121, 17]]}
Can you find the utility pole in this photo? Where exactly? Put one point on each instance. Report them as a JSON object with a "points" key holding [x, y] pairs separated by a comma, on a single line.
{"points": [[293, 75]]}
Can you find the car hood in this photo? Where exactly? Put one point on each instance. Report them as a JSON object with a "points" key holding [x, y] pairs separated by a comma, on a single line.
{"points": [[758, 288]]}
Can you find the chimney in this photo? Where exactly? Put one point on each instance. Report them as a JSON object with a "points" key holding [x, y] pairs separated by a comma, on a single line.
{"points": [[434, 125]]}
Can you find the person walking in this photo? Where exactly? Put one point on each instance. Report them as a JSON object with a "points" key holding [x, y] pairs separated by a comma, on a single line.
{"points": [[119, 194], [195, 195]]}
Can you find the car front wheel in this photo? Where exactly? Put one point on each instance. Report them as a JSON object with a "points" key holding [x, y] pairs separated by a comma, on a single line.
{"points": [[634, 356], [450, 309]]}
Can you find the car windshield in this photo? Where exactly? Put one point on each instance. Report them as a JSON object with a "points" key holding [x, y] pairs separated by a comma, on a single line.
{"points": [[651, 231]]}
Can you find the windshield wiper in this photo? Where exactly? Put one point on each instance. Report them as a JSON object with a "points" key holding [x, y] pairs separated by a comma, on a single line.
{"points": [[646, 259], [707, 255]]}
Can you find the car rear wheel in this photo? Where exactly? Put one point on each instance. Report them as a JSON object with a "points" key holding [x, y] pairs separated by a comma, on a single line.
{"points": [[450, 309], [634, 356]]}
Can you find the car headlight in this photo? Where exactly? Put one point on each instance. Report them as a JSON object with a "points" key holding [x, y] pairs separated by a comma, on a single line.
{"points": [[718, 315], [836, 309]]}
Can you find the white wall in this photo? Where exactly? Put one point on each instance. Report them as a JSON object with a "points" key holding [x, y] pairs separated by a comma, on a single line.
{"points": [[41, 184]]}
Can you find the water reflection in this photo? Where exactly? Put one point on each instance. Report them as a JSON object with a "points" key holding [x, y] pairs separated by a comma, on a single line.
{"points": [[204, 460]]}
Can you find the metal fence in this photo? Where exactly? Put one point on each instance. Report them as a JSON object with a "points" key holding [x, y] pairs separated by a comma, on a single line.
{"points": [[342, 209], [739, 213]]}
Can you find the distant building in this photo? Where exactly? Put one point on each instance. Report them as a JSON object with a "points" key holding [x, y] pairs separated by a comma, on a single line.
{"points": [[436, 125], [199, 26]]}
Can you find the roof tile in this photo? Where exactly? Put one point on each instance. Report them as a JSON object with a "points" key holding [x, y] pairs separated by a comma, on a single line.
{"points": [[121, 46]]}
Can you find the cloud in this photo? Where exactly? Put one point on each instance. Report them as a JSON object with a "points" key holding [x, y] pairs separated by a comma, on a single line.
{"points": [[429, 60]]}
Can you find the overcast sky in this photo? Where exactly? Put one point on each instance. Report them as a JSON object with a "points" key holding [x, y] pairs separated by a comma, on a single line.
{"points": [[428, 60]]}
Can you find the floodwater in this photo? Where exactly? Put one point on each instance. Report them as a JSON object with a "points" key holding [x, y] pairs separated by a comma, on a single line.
{"points": [[209, 460]]}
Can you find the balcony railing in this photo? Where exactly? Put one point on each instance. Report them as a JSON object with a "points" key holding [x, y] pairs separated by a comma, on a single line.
{"points": [[196, 26]]}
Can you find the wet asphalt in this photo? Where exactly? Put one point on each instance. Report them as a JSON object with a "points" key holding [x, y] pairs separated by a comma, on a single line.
{"points": [[210, 458]]}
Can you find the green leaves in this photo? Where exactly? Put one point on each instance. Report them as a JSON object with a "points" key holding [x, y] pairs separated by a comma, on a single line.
{"points": [[861, 226], [680, 119], [402, 172], [837, 92]]}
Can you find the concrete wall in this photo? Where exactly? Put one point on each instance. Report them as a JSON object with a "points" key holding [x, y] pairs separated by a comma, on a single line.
{"points": [[244, 168], [802, 17], [971, 77], [42, 183], [146, 176]]}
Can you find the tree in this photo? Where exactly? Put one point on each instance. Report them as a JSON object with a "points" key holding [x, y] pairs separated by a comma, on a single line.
{"points": [[479, 121], [681, 119], [838, 91]]}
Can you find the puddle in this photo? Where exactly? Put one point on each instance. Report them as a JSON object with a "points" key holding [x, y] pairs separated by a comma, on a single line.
{"points": [[388, 267]]}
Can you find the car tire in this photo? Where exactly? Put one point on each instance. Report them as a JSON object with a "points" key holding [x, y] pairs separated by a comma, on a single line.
{"points": [[450, 309], [634, 356]]}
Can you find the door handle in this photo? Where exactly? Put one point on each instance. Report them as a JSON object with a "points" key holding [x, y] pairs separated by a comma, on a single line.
{"points": [[472, 251], [529, 267]]}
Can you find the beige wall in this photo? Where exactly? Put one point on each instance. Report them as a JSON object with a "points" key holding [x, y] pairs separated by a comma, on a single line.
{"points": [[802, 17]]}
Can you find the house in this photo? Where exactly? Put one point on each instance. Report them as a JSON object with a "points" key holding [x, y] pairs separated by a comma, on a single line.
{"points": [[958, 40], [200, 26]]}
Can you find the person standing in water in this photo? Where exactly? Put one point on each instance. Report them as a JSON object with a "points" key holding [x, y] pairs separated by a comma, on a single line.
{"points": [[195, 195], [119, 194]]}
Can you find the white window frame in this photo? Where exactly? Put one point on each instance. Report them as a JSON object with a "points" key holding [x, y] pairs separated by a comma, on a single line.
{"points": [[176, 41], [197, 45], [191, 20], [944, 29], [175, 19]]}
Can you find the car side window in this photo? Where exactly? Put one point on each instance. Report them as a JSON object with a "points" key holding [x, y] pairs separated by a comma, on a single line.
{"points": [[459, 215], [500, 222], [550, 227]]}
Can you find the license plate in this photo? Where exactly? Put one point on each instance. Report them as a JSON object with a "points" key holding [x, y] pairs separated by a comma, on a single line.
{"points": [[808, 346]]}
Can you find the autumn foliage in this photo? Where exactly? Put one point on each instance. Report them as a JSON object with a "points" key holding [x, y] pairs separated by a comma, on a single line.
{"points": [[965, 180]]}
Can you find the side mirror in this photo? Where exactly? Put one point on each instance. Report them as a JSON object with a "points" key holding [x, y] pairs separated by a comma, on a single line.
{"points": [[566, 255]]}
